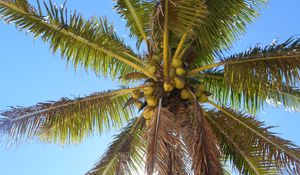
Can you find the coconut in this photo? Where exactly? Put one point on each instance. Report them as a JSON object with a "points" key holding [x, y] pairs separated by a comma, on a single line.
{"points": [[152, 101], [147, 114], [203, 98], [198, 93], [176, 63], [152, 70], [138, 104], [180, 71], [185, 94], [179, 83], [201, 87], [148, 122], [135, 94], [168, 87], [191, 98], [148, 91]]}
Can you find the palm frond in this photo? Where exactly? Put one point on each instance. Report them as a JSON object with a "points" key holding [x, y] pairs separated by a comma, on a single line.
{"points": [[199, 139], [183, 15], [235, 154], [226, 21], [137, 14], [164, 153], [186, 15], [277, 63], [91, 44], [125, 153], [253, 98], [256, 141], [67, 120]]}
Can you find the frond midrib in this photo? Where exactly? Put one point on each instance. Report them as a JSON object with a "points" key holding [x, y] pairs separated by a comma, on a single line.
{"points": [[224, 63], [83, 40], [137, 21], [111, 94]]}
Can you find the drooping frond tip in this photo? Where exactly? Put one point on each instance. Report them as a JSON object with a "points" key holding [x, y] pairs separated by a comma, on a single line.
{"points": [[266, 150], [251, 97], [125, 153], [88, 43], [67, 120], [276, 63]]}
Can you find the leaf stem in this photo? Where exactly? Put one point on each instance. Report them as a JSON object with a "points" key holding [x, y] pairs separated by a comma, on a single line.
{"points": [[166, 42], [202, 68], [137, 21], [57, 28], [180, 45]]}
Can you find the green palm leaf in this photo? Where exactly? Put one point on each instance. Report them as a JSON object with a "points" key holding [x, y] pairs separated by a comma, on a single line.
{"points": [[253, 98], [277, 64], [67, 120], [125, 153], [137, 14], [255, 140], [177, 72], [91, 44], [183, 15], [226, 21], [239, 157]]}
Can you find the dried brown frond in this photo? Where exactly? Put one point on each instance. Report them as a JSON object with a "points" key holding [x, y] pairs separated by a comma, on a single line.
{"points": [[199, 139], [164, 154]]}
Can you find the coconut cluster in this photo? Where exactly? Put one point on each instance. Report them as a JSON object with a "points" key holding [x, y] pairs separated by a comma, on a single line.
{"points": [[177, 76], [147, 93], [147, 96], [198, 91]]}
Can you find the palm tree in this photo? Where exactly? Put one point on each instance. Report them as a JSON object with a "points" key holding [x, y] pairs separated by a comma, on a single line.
{"points": [[195, 105]]}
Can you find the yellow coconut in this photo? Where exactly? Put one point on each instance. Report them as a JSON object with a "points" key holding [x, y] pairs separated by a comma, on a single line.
{"points": [[152, 70], [152, 101], [185, 94], [135, 94], [201, 87], [147, 114], [176, 63], [180, 71], [191, 98], [148, 91], [168, 87], [138, 104], [198, 93], [203, 98], [148, 122], [179, 83]]}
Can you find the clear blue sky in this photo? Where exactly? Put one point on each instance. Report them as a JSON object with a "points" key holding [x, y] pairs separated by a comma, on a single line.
{"points": [[30, 73]]}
